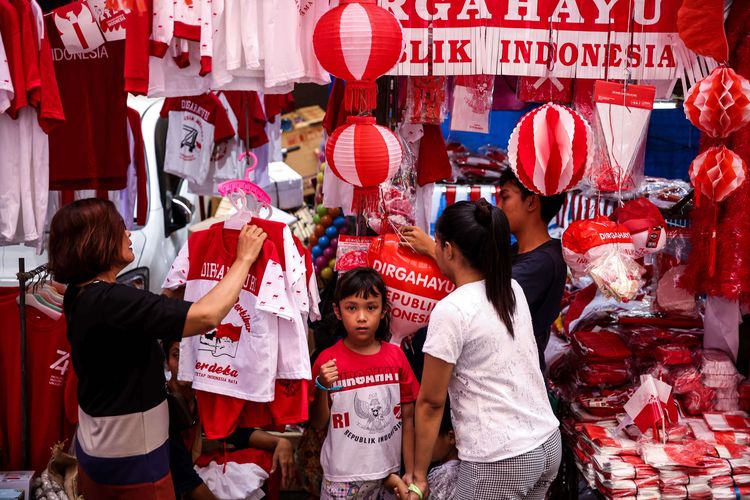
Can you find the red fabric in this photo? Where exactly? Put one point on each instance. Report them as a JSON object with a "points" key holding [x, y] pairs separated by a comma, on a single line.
{"points": [[49, 108], [261, 458], [139, 156], [639, 215], [276, 104], [600, 346], [138, 29], [251, 120], [163, 489], [90, 150], [29, 44], [219, 414], [336, 114], [48, 368], [433, 164], [10, 29], [209, 108], [701, 26]]}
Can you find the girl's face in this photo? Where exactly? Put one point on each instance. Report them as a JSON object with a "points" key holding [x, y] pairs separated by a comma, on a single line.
{"points": [[126, 248], [173, 363], [361, 317]]}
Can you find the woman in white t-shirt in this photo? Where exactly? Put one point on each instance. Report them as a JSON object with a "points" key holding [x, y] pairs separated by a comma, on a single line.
{"points": [[480, 349]]}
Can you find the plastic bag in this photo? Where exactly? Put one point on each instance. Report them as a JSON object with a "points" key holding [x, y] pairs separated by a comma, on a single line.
{"points": [[425, 99]]}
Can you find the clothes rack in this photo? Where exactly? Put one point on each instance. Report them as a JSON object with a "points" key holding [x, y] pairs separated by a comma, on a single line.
{"points": [[36, 276]]}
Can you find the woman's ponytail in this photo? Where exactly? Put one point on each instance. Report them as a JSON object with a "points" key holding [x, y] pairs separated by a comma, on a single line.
{"points": [[482, 233]]}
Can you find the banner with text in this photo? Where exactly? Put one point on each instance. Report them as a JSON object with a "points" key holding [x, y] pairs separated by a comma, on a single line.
{"points": [[601, 39]]}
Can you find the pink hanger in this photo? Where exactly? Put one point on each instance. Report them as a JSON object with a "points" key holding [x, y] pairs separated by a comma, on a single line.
{"points": [[245, 185]]}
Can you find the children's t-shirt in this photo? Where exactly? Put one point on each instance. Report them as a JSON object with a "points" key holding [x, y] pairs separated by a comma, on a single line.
{"points": [[195, 125], [364, 432], [238, 358]]}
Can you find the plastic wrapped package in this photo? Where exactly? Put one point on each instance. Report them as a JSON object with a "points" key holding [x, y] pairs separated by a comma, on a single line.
{"points": [[398, 196], [673, 355], [581, 414], [606, 441], [744, 396], [726, 400], [616, 275], [730, 493], [738, 422], [698, 401], [684, 379], [605, 403], [664, 193], [691, 454], [672, 433], [603, 374], [600, 346], [622, 467], [425, 99], [617, 487], [718, 370], [703, 432]]}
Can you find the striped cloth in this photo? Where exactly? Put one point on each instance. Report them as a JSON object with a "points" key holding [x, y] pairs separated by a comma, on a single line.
{"points": [[125, 457]]}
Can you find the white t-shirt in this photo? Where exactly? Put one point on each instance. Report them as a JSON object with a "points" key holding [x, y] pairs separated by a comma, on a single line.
{"points": [[239, 357], [195, 125], [499, 403]]}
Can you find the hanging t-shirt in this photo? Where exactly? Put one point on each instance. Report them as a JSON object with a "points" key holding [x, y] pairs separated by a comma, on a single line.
{"points": [[195, 125], [364, 432], [238, 358], [90, 150], [10, 30]]}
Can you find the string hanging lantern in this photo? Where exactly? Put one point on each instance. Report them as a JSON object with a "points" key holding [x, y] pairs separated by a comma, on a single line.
{"points": [[358, 42], [550, 149], [364, 155], [720, 103]]}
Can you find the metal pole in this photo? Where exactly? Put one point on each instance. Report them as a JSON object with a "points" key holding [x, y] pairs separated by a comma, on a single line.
{"points": [[24, 392]]}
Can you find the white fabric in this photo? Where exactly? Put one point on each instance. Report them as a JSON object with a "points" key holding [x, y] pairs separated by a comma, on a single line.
{"points": [[124, 199], [499, 403], [6, 84], [337, 193], [189, 156], [232, 481], [255, 355], [722, 325]]}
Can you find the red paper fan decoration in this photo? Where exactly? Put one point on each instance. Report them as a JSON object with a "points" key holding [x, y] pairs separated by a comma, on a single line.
{"points": [[358, 42], [550, 150], [720, 103], [364, 155]]}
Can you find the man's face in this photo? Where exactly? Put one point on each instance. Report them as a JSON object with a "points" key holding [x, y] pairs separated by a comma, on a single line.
{"points": [[515, 207]]}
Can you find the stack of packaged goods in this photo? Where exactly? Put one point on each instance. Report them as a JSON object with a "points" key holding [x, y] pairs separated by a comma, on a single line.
{"points": [[705, 455]]}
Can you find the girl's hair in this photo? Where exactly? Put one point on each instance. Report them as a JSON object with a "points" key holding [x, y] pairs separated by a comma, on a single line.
{"points": [[364, 282], [446, 424], [482, 233], [85, 239]]}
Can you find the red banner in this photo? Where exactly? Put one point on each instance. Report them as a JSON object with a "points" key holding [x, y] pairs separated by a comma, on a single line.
{"points": [[599, 39]]}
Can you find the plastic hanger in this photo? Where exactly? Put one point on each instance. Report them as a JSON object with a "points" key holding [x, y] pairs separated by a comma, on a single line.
{"points": [[239, 190], [38, 304], [51, 296]]}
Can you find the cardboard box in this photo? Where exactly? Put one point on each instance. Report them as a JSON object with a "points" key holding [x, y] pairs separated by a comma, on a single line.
{"points": [[307, 133], [17, 480], [286, 186]]}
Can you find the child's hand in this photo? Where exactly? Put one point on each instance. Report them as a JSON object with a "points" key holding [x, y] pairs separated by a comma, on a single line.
{"points": [[329, 374], [399, 487]]}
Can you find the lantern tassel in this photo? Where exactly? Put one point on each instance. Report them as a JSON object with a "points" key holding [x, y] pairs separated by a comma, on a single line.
{"points": [[360, 95], [365, 200]]}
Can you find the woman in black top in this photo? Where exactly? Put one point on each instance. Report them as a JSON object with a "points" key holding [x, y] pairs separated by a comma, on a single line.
{"points": [[122, 440]]}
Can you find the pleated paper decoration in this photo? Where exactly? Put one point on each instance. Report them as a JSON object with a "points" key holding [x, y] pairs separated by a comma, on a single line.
{"points": [[364, 155], [720, 103], [358, 41], [550, 149]]}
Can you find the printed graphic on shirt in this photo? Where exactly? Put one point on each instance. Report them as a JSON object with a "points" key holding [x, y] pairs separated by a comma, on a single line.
{"points": [[111, 15], [58, 368], [372, 412], [192, 138], [78, 29], [221, 341]]}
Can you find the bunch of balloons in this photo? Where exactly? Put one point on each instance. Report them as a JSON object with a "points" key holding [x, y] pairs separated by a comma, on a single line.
{"points": [[329, 224]]}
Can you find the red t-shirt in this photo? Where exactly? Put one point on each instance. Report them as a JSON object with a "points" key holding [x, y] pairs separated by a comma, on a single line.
{"points": [[251, 120], [90, 150], [10, 29]]}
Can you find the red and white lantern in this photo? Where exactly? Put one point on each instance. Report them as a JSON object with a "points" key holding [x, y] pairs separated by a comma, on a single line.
{"points": [[720, 103], [716, 173], [550, 149], [364, 155], [358, 41]]}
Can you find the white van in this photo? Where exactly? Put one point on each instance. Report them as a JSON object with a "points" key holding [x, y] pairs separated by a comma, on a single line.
{"points": [[170, 210]]}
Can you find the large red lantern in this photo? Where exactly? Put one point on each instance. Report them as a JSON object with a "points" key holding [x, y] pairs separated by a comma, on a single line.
{"points": [[364, 155], [358, 42], [550, 150], [720, 103]]}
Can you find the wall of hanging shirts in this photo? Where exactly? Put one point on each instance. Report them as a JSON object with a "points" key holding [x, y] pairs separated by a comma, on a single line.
{"points": [[64, 78], [253, 369]]}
